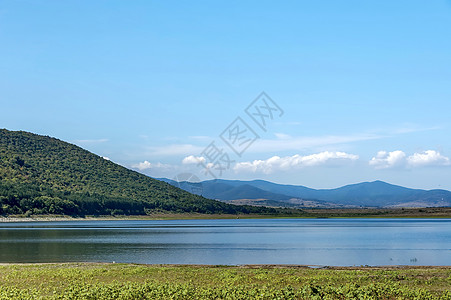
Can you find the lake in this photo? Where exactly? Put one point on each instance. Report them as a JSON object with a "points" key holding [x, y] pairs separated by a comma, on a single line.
{"points": [[333, 242]]}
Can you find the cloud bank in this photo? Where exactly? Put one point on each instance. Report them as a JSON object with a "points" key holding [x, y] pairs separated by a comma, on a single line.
{"points": [[277, 163], [146, 165], [428, 158], [384, 159], [190, 160]]}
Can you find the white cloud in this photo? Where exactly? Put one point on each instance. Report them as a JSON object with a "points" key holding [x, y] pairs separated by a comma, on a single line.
{"points": [[106, 158], [384, 159], [142, 165], [145, 165], [158, 169], [277, 163], [193, 160], [428, 158]]}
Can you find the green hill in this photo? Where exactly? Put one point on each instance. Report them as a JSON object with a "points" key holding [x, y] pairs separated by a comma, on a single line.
{"points": [[44, 175]]}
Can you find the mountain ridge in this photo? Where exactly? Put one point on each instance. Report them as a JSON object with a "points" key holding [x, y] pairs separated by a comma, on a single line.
{"points": [[364, 194]]}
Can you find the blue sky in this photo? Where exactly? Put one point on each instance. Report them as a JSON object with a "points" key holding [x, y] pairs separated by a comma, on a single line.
{"points": [[365, 86]]}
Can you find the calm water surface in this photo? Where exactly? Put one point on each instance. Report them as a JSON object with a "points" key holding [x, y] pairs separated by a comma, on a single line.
{"points": [[340, 242]]}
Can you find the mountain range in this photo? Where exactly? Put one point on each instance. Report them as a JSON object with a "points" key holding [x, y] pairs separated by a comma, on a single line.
{"points": [[44, 175], [365, 194]]}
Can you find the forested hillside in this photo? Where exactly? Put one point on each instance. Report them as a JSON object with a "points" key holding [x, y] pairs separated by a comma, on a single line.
{"points": [[43, 175]]}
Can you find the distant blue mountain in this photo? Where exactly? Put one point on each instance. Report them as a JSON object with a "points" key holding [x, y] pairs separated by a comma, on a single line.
{"points": [[365, 194]]}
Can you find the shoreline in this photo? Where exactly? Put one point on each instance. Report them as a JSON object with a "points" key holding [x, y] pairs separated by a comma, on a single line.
{"points": [[63, 219], [244, 266], [366, 213], [313, 213], [45, 218]]}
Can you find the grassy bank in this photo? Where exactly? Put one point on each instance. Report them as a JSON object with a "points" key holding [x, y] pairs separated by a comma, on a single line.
{"points": [[125, 281]]}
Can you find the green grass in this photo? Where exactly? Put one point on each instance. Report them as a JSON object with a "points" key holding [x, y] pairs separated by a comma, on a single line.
{"points": [[125, 281]]}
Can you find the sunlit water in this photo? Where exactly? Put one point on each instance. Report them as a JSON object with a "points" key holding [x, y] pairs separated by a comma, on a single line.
{"points": [[266, 241]]}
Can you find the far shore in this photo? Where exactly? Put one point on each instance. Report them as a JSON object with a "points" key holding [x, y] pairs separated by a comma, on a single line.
{"points": [[432, 212]]}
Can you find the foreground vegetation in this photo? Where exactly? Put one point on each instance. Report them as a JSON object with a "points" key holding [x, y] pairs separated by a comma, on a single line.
{"points": [[124, 281]]}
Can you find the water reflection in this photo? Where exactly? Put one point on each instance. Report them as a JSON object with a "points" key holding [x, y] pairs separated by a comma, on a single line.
{"points": [[268, 241]]}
